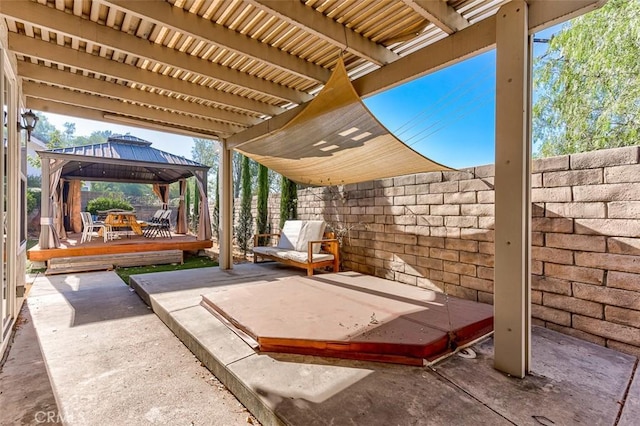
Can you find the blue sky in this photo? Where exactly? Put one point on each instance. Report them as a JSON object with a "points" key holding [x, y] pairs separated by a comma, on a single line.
{"points": [[448, 118]]}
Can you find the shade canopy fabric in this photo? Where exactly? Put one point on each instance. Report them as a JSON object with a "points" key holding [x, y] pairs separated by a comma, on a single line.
{"points": [[336, 140]]}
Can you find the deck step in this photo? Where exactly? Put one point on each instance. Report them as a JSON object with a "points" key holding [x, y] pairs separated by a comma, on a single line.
{"points": [[62, 265], [82, 267]]}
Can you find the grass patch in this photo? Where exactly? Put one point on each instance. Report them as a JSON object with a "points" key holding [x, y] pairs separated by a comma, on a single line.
{"points": [[29, 266], [190, 262]]}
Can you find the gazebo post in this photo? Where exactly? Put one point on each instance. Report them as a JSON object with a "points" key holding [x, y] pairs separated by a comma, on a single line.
{"points": [[512, 293], [226, 207]]}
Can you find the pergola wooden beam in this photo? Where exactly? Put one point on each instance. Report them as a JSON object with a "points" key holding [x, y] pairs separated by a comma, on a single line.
{"points": [[51, 52], [164, 14], [473, 40], [97, 115], [95, 86], [440, 14], [58, 94], [100, 35], [296, 13]]}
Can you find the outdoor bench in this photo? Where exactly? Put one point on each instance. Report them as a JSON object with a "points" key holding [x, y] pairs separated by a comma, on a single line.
{"points": [[301, 243]]}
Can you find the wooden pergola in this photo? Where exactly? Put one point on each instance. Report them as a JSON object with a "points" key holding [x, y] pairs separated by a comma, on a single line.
{"points": [[122, 158], [236, 70]]}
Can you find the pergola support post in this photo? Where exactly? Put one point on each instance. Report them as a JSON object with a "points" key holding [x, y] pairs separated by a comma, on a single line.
{"points": [[45, 219], [226, 207], [512, 292]]}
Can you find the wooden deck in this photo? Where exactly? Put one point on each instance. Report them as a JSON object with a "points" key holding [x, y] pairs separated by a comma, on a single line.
{"points": [[71, 247], [350, 315]]}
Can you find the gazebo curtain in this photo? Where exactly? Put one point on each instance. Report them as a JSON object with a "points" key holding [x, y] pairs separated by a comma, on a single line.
{"points": [[51, 204], [59, 211], [74, 205], [181, 221], [204, 221], [162, 191]]}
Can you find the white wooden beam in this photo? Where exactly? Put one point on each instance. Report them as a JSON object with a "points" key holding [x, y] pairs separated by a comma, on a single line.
{"points": [[296, 13], [84, 61], [225, 225], [114, 106], [88, 31], [164, 14], [512, 282], [57, 94], [440, 14], [43, 74], [544, 13], [96, 115]]}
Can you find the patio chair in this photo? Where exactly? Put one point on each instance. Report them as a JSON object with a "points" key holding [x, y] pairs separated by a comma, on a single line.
{"points": [[89, 227], [154, 219], [160, 228]]}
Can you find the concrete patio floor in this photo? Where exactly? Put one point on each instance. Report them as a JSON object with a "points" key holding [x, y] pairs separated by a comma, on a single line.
{"points": [[105, 359], [572, 381], [88, 351]]}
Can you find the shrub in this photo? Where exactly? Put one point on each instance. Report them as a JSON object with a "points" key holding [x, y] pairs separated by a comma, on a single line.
{"points": [[104, 203], [245, 221], [288, 200], [33, 200], [263, 194]]}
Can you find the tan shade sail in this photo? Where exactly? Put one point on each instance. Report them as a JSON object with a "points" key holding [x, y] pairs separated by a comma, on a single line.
{"points": [[336, 140]]}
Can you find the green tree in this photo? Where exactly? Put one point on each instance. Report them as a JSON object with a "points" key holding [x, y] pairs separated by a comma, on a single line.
{"points": [[43, 128], [207, 152], [196, 205], [69, 132], [187, 202], [588, 83], [245, 220], [288, 200], [96, 137], [216, 207], [34, 181], [55, 140], [236, 167], [263, 196]]}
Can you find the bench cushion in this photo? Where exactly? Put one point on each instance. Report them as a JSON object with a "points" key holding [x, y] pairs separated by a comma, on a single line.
{"points": [[312, 230], [290, 234], [296, 256], [271, 251], [303, 257]]}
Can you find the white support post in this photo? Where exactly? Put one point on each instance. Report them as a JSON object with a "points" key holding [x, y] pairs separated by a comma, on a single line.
{"points": [[225, 226], [45, 201], [512, 293]]}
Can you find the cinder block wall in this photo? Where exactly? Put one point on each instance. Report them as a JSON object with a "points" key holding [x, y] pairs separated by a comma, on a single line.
{"points": [[273, 212], [436, 230]]}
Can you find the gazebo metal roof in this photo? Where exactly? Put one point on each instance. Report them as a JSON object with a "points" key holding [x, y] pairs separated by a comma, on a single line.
{"points": [[123, 158]]}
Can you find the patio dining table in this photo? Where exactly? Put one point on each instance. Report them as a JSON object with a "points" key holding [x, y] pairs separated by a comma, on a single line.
{"points": [[124, 220]]}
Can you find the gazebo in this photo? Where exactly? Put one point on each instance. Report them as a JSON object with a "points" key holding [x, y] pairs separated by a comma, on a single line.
{"points": [[123, 158]]}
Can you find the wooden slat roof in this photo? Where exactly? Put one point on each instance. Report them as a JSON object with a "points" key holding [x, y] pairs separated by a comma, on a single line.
{"points": [[215, 68]]}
